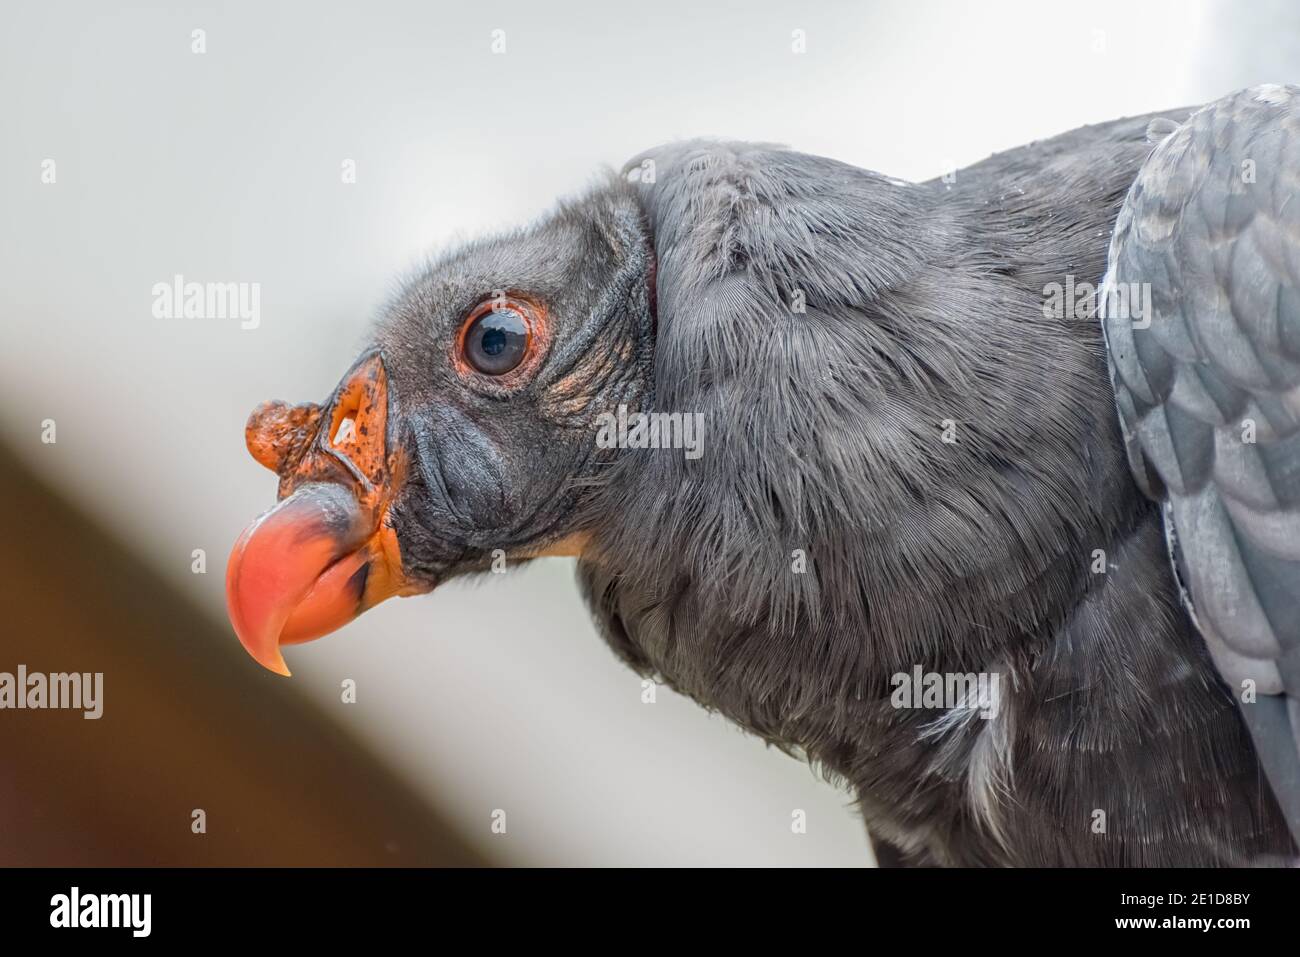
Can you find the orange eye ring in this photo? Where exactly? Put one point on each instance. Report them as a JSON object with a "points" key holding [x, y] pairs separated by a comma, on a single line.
{"points": [[501, 341]]}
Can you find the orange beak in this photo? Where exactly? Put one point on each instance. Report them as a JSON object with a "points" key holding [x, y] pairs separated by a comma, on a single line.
{"points": [[327, 551]]}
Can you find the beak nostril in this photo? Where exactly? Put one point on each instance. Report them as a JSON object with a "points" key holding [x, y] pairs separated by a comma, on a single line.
{"points": [[345, 432], [344, 423], [355, 432]]}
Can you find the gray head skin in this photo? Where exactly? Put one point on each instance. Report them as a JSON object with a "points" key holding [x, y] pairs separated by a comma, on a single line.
{"points": [[502, 462], [1113, 742]]}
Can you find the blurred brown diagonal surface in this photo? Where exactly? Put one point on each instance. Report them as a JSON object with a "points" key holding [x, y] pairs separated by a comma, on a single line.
{"points": [[184, 726]]}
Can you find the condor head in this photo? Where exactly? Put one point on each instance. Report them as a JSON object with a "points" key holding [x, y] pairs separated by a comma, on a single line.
{"points": [[465, 430]]}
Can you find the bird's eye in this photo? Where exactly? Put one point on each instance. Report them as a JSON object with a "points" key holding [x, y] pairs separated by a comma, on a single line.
{"points": [[496, 336]]}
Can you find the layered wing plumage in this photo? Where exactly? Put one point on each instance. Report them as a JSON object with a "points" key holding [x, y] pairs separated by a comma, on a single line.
{"points": [[1201, 309]]}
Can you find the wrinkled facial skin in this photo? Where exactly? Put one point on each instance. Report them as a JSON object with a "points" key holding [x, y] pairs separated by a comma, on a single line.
{"points": [[465, 430], [500, 462]]}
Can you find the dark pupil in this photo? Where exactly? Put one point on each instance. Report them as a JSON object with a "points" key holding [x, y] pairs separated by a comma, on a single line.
{"points": [[497, 341], [494, 340]]}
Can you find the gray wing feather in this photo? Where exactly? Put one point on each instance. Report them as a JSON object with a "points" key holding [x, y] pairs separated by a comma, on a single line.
{"points": [[1207, 383]]}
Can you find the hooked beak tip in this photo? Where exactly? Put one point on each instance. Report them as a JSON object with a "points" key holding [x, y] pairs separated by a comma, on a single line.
{"points": [[275, 663], [290, 575]]}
